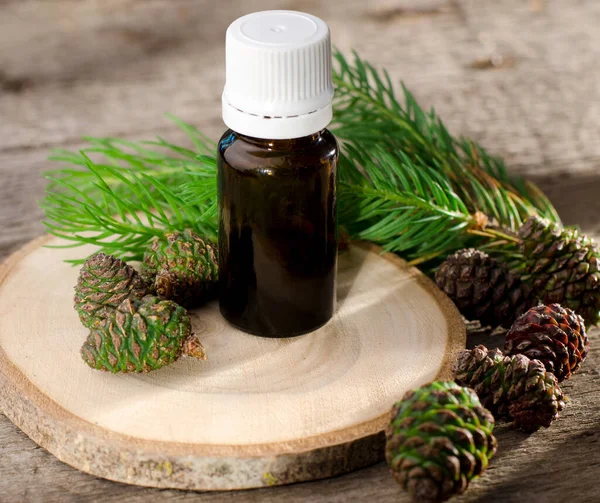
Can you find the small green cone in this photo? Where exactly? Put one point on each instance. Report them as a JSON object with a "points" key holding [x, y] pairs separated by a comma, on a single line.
{"points": [[183, 267], [140, 336], [104, 282], [439, 439]]}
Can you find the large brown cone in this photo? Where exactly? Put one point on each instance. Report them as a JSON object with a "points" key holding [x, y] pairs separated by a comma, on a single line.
{"points": [[511, 387], [483, 289], [552, 334], [562, 266]]}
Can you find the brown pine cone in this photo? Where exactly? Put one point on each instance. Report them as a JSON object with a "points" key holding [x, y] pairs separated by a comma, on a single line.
{"points": [[483, 289], [563, 265], [511, 387], [552, 334]]}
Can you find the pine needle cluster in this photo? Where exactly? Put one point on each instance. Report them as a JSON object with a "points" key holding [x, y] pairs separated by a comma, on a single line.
{"points": [[404, 181]]}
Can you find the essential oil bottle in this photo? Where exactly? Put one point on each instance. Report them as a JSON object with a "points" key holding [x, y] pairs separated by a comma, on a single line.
{"points": [[277, 176]]}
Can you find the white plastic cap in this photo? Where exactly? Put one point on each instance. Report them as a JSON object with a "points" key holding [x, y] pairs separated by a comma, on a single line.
{"points": [[278, 82]]}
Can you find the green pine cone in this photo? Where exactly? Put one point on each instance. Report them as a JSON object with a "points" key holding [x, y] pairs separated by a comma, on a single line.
{"points": [[512, 387], [562, 267], [183, 267], [439, 439], [104, 282], [140, 336]]}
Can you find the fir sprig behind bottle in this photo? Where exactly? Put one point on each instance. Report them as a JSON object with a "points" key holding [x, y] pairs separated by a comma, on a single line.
{"points": [[404, 182]]}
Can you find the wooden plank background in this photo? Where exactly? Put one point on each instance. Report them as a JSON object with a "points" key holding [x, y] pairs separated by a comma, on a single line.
{"points": [[520, 76]]}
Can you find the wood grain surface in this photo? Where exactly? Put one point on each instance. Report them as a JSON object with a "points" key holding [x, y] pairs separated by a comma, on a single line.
{"points": [[521, 76], [260, 412]]}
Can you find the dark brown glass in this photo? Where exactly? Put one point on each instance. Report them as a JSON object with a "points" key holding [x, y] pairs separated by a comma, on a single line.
{"points": [[277, 232]]}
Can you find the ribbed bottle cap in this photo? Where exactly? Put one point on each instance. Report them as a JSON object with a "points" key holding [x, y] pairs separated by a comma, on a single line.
{"points": [[278, 82]]}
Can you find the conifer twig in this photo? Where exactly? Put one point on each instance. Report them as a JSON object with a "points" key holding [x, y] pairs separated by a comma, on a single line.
{"points": [[404, 181]]}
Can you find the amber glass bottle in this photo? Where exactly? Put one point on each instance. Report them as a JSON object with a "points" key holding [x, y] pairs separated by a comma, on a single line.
{"points": [[277, 176], [277, 232]]}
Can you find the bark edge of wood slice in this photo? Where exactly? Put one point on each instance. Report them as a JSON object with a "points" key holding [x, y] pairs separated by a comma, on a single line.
{"points": [[261, 412]]}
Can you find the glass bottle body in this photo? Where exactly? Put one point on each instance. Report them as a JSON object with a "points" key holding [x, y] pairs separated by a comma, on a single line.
{"points": [[277, 232]]}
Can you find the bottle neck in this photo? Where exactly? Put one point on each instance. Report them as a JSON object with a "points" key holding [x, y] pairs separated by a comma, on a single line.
{"points": [[282, 144]]}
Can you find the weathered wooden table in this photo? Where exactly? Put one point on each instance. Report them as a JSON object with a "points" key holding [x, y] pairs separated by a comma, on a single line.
{"points": [[520, 76]]}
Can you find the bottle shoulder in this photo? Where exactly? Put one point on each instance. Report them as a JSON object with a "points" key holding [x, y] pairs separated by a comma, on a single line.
{"points": [[245, 152]]}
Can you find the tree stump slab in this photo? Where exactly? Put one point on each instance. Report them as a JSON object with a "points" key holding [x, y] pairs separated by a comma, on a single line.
{"points": [[259, 412]]}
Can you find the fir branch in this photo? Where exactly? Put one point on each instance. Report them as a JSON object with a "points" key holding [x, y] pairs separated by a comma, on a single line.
{"points": [[404, 206], [404, 181], [367, 111], [135, 192]]}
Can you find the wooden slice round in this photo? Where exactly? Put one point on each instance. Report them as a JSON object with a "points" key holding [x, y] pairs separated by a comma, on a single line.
{"points": [[259, 412]]}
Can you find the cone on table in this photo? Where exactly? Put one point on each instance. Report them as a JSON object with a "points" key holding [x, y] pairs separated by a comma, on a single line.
{"points": [[552, 334], [562, 266], [182, 266], [511, 387], [482, 288], [140, 336], [104, 282], [439, 439]]}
